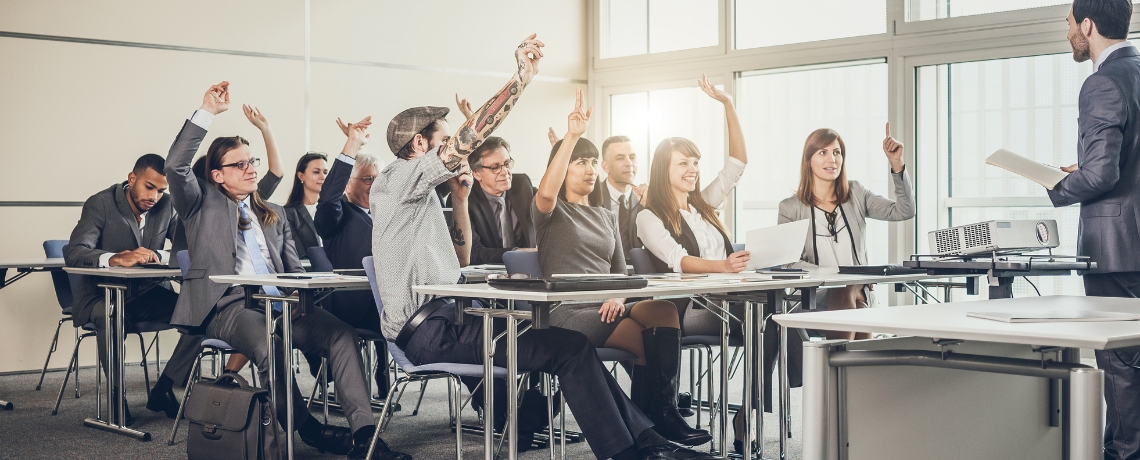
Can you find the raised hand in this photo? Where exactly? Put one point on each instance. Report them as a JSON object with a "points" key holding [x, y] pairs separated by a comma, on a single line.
{"points": [[217, 98], [344, 127], [894, 150], [464, 106], [711, 90], [579, 118], [254, 115], [552, 137], [528, 54], [737, 262]]}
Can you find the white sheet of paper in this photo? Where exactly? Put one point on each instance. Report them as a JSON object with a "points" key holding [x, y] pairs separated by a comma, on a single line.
{"points": [[779, 245], [1047, 176]]}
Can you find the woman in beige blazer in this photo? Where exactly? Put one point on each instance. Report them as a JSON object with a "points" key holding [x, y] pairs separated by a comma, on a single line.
{"points": [[839, 209]]}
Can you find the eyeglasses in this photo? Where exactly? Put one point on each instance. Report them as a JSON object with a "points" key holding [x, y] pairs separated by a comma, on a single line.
{"points": [[366, 179], [509, 164], [244, 164]]}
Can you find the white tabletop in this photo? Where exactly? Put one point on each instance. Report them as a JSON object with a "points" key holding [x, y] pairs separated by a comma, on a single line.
{"points": [[55, 262], [831, 277], [319, 280], [949, 321], [126, 272], [711, 286]]}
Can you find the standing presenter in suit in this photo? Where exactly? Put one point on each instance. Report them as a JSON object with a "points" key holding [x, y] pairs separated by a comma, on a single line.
{"points": [[1104, 182]]}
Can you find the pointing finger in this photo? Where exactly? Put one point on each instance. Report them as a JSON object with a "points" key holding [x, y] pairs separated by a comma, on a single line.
{"points": [[888, 129]]}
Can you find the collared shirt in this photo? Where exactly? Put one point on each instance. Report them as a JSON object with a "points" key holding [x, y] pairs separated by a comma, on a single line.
{"points": [[497, 203], [411, 243], [244, 264], [1108, 51], [615, 194], [660, 242], [163, 256]]}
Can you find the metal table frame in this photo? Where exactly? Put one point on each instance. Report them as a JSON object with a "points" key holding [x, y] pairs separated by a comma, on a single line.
{"points": [[1001, 270], [24, 267]]}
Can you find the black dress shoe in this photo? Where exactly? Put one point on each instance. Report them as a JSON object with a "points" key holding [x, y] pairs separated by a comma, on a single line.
{"points": [[671, 452], [738, 446], [333, 439], [383, 452], [163, 401]]}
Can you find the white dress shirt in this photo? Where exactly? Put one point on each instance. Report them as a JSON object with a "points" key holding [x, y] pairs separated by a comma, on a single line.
{"points": [[833, 250], [657, 239], [1108, 51], [615, 194]]}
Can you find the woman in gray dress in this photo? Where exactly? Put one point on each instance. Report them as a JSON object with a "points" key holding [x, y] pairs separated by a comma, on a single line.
{"points": [[574, 237]]}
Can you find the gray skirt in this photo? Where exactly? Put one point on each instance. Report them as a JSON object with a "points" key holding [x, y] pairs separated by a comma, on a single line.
{"points": [[584, 318]]}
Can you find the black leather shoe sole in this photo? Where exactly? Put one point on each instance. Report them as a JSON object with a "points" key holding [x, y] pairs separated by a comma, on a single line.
{"points": [[695, 440]]}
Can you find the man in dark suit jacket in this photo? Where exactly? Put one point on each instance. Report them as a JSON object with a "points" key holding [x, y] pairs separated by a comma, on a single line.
{"points": [[617, 193], [1104, 181], [231, 230], [344, 222], [123, 226], [495, 194]]}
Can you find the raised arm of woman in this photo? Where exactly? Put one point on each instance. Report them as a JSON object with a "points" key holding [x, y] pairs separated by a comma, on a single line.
{"points": [[547, 196]]}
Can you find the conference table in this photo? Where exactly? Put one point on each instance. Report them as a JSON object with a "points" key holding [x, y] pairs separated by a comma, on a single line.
{"points": [[24, 267], [713, 292], [117, 284], [953, 386], [309, 288]]}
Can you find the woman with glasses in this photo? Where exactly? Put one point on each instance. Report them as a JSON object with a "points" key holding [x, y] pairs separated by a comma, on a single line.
{"points": [[838, 209], [576, 238], [499, 204], [302, 203]]}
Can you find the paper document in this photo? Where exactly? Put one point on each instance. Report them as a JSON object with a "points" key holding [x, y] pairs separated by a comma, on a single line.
{"points": [[779, 245], [1047, 176], [1053, 316]]}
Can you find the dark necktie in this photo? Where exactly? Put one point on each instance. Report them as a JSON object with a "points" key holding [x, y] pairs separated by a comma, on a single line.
{"points": [[624, 225], [506, 229]]}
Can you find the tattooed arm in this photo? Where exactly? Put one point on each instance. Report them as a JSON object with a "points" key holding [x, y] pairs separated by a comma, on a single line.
{"points": [[484, 121]]}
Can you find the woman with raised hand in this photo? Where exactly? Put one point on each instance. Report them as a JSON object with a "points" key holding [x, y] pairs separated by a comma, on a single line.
{"points": [[574, 237], [839, 209]]}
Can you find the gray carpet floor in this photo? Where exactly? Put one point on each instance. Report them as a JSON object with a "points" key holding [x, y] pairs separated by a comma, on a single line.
{"points": [[31, 432]]}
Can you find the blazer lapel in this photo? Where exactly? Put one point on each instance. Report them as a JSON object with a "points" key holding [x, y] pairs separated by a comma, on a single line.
{"points": [[128, 215]]}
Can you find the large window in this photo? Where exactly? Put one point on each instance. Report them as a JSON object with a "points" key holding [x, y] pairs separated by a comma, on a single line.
{"points": [[968, 110], [778, 109], [633, 27], [649, 117], [771, 22], [922, 10]]}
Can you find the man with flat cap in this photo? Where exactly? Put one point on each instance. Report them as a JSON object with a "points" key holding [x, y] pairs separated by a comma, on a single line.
{"points": [[411, 247]]}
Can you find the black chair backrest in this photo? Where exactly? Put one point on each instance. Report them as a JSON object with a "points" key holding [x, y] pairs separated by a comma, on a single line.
{"points": [[61, 280], [318, 260], [642, 263]]}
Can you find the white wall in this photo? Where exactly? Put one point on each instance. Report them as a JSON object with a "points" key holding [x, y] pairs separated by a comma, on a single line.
{"points": [[100, 82]]}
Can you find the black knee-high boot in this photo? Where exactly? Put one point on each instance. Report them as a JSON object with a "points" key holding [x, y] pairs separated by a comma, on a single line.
{"points": [[660, 378]]}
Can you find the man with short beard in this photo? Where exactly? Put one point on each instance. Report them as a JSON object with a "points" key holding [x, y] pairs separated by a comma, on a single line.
{"points": [[124, 226], [1104, 182]]}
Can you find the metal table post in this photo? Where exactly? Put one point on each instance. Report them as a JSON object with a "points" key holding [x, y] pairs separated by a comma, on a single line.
{"points": [[114, 296]]}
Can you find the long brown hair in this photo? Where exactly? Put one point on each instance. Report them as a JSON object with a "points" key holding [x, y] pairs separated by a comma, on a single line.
{"points": [[661, 200], [816, 141], [214, 156]]}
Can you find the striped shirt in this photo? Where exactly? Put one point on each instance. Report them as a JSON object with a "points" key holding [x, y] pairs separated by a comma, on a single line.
{"points": [[411, 244]]}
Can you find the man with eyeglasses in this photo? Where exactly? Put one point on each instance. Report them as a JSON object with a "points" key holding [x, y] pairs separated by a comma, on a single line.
{"points": [[344, 223], [499, 204]]}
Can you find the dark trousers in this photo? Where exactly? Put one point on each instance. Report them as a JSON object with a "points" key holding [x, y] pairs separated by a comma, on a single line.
{"points": [[1121, 376], [610, 422], [155, 305], [318, 332], [357, 309]]}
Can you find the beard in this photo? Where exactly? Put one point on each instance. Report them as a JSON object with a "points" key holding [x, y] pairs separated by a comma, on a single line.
{"points": [[139, 204], [1080, 46]]}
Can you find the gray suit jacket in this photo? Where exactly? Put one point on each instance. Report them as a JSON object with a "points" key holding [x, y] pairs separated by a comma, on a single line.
{"points": [[211, 221], [1108, 181], [862, 204], [107, 225]]}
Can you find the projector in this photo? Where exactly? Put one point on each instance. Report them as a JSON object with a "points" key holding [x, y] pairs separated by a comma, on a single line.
{"points": [[995, 236]]}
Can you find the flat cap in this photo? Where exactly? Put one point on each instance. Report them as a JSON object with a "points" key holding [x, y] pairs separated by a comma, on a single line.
{"points": [[408, 123]]}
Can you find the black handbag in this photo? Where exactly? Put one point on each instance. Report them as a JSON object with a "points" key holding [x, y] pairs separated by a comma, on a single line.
{"points": [[229, 419]]}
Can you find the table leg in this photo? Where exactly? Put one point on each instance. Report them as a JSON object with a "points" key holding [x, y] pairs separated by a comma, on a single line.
{"points": [[512, 388], [749, 377], [785, 388], [1085, 407], [488, 387], [725, 447], [5, 405], [287, 343], [114, 300], [1001, 287], [816, 404]]}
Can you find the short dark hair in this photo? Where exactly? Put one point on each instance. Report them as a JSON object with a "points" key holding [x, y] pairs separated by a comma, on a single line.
{"points": [[489, 145], [612, 140], [152, 161], [1110, 16], [428, 131]]}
